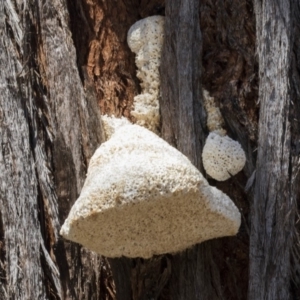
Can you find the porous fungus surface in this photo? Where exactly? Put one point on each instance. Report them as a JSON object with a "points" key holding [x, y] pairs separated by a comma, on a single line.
{"points": [[142, 197], [215, 120], [145, 39], [222, 157], [111, 124]]}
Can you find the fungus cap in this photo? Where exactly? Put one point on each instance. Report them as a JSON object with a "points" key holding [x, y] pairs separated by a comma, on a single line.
{"points": [[142, 197], [222, 157]]}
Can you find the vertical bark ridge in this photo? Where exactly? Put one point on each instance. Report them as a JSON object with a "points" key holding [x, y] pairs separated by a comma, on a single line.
{"points": [[49, 129], [18, 189], [275, 195], [295, 138], [183, 126], [181, 106]]}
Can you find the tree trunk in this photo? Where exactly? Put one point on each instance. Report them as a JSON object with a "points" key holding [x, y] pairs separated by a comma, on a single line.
{"points": [[49, 129], [184, 127], [63, 61], [277, 182]]}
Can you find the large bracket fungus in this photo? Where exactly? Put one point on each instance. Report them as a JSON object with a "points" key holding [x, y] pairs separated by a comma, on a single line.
{"points": [[143, 197], [145, 39], [222, 156]]}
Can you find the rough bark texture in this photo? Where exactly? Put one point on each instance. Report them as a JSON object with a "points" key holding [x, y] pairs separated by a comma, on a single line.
{"points": [[228, 74], [181, 106], [277, 182], [49, 129], [100, 32], [183, 126], [50, 94]]}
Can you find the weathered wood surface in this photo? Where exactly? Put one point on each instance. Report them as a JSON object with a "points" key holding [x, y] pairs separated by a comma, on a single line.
{"points": [[198, 273], [183, 126], [276, 190], [62, 120], [181, 106], [48, 130]]}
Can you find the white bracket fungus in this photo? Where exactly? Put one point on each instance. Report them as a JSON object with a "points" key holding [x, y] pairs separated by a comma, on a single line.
{"points": [[222, 156], [145, 39], [142, 197]]}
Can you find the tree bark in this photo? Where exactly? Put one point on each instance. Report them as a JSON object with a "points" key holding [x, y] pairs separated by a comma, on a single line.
{"points": [[62, 60], [184, 127], [49, 129], [277, 182]]}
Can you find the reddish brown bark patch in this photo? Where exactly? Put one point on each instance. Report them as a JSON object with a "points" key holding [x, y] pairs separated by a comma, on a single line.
{"points": [[100, 34], [110, 62]]}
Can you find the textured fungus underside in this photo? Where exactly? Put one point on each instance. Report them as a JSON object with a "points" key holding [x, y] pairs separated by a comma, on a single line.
{"points": [[142, 197]]}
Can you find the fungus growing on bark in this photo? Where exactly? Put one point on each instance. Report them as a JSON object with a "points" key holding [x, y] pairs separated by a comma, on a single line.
{"points": [[143, 197], [145, 39], [222, 156], [111, 124]]}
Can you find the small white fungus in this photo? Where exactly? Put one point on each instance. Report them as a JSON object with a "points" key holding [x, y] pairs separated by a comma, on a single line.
{"points": [[222, 156]]}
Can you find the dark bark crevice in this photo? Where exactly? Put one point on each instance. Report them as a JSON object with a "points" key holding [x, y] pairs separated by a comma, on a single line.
{"points": [[141, 279], [295, 150]]}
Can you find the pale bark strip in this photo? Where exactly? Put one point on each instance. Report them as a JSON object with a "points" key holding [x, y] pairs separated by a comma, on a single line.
{"points": [[48, 131], [273, 208]]}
